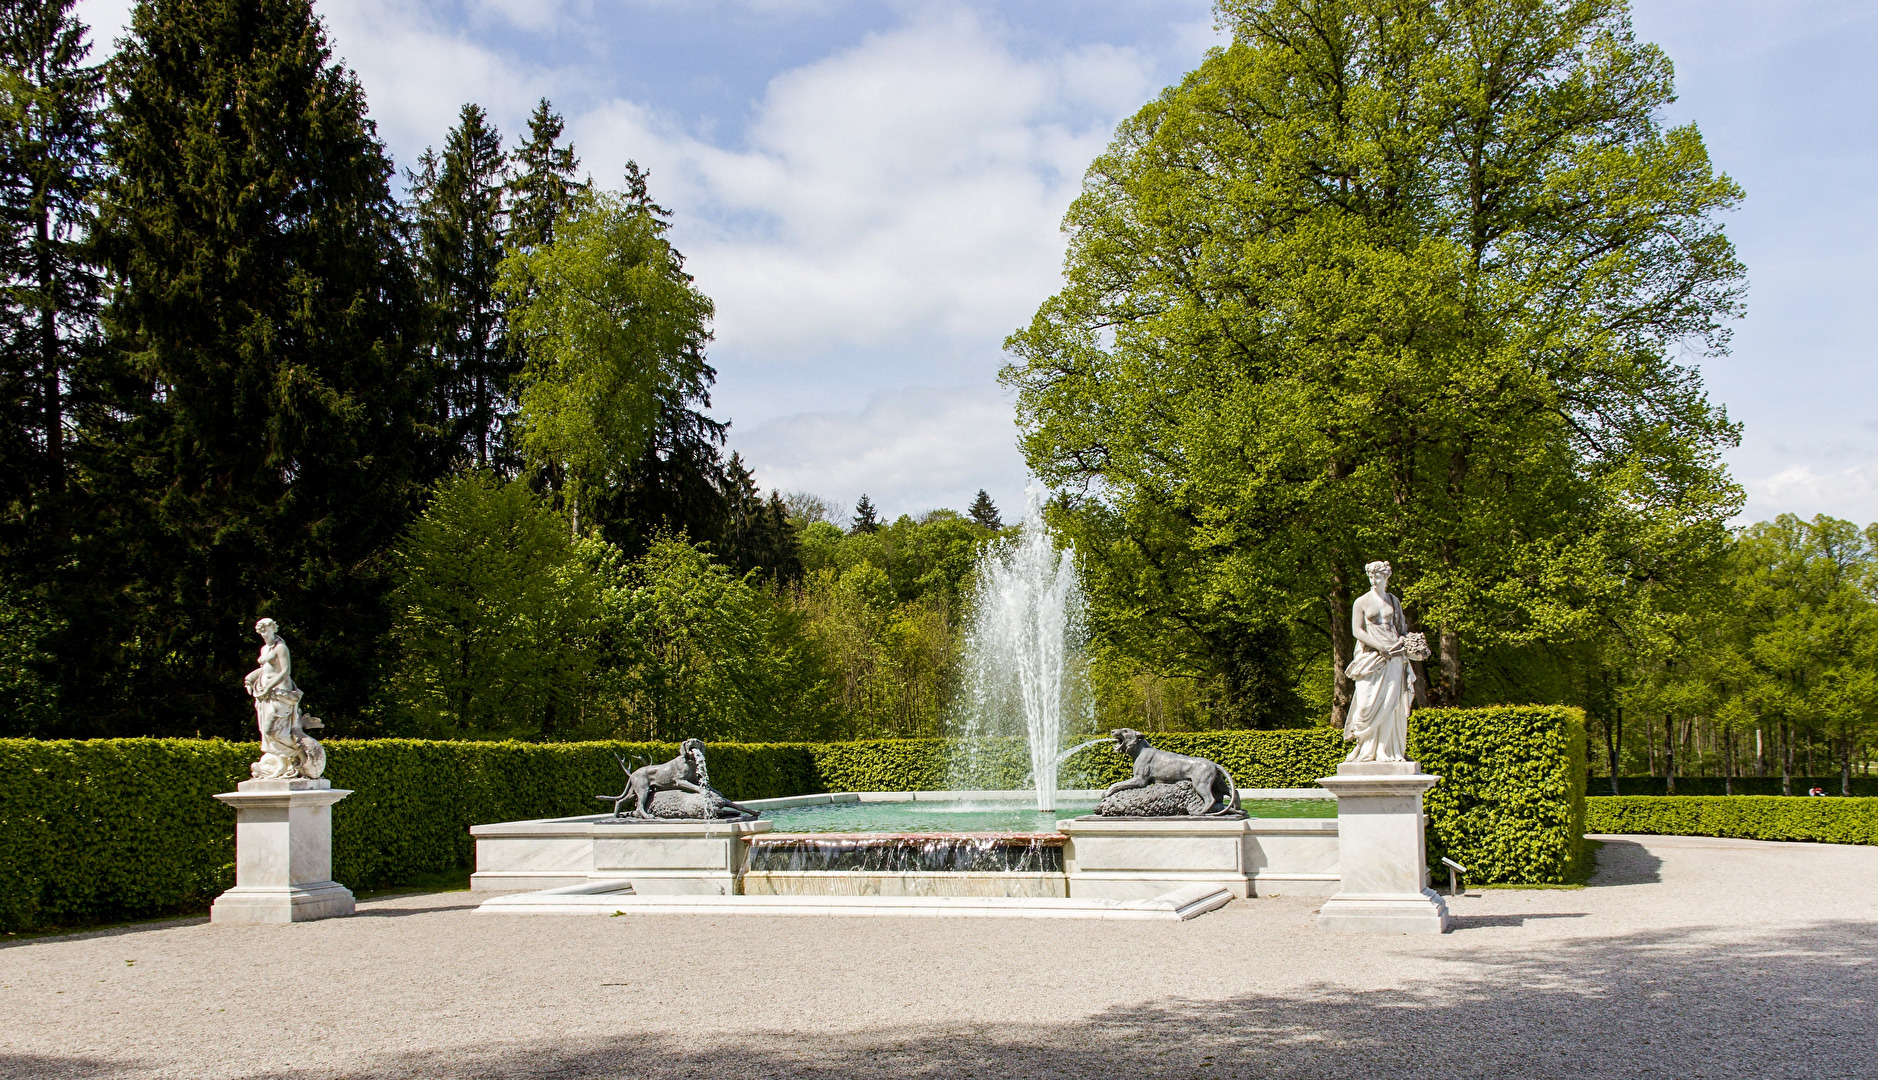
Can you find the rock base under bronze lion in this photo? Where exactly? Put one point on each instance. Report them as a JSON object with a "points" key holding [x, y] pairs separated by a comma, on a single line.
{"points": [[1176, 800]]}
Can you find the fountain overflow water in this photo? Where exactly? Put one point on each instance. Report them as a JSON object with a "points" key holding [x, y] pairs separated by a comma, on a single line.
{"points": [[1023, 651]]}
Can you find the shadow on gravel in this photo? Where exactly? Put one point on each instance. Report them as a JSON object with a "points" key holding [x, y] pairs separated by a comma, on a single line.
{"points": [[1669, 1003], [118, 930], [34, 1066], [1625, 862], [1469, 922], [399, 913]]}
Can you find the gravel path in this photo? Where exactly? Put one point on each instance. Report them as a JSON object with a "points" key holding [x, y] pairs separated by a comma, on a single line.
{"points": [[1686, 958]]}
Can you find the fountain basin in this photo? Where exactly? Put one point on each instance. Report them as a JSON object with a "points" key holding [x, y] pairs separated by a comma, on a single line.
{"points": [[909, 844]]}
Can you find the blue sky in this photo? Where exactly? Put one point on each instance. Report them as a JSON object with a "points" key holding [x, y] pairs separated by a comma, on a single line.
{"points": [[871, 193]]}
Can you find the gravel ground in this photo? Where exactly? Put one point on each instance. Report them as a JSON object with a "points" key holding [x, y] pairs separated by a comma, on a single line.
{"points": [[1686, 958]]}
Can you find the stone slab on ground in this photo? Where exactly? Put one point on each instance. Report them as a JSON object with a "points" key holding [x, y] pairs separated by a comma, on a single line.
{"points": [[1688, 958]]}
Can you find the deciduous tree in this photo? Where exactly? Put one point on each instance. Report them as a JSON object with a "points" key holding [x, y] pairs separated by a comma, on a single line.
{"points": [[1383, 280]]}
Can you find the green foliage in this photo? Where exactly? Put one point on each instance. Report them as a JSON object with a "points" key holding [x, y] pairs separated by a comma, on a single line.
{"points": [[707, 654], [1744, 817], [1511, 803], [1384, 280], [29, 702], [544, 186], [886, 610], [496, 617], [1866, 786], [614, 333], [459, 225], [51, 131], [114, 828]]}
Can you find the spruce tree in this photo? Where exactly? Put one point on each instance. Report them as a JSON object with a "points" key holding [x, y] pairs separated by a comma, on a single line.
{"points": [[984, 511], [50, 161], [271, 449], [461, 237], [543, 187], [865, 518], [757, 534]]}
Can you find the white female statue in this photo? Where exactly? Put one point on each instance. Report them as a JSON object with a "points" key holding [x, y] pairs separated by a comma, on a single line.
{"points": [[287, 751], [1385, 683]]}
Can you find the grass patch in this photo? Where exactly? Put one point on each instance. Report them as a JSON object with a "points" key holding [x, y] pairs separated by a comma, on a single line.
{"points": [[457, 880]]}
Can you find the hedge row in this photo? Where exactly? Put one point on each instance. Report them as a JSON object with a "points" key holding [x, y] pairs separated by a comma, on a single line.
{"points": [[1744, 817], [127, 828], [1716, 785]]}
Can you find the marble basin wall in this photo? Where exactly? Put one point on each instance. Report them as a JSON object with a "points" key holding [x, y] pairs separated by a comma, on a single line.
{"points": [[1101, 859]]}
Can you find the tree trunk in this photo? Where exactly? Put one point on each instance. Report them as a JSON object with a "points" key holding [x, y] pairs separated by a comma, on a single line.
{"points": [[1342, 646], [1613, 744], [1845, 764], [1451, 688], [1785, 750], [1669, 756], [1728, 761], [51, 389]]}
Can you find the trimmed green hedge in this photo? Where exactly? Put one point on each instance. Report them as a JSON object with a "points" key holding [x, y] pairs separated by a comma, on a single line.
{"points": [[127, 828], [1715, 785], [1511, 803], [1743, 817]]}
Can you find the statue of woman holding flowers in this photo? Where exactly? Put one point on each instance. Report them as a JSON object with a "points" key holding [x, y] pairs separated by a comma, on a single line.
{"points": [[1385, 683]]}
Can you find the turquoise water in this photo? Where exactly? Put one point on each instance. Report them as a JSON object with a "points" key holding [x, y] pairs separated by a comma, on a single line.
{"points": [[934, 817]]}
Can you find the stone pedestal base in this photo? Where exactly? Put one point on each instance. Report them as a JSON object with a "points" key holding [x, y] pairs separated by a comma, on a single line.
{"points": [[283, 854], [1415, 914], [1382, 851], [241, 907]]}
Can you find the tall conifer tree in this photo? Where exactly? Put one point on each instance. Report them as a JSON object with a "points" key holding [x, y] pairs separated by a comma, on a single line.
{"points": [[461, 237], [543, 186], [50, 131], [259, 299]]}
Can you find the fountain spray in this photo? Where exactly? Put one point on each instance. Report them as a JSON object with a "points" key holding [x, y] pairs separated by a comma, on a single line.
{"points": [[1023, 650]]}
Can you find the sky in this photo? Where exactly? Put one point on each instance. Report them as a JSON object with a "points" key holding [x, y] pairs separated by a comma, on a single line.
{"points": [[871, 193]]}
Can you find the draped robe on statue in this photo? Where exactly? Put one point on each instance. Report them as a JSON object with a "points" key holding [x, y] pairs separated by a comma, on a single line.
{"points": [[1377, 721]]}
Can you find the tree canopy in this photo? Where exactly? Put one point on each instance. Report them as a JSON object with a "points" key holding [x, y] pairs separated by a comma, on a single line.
{"points": [[1385, 280]]}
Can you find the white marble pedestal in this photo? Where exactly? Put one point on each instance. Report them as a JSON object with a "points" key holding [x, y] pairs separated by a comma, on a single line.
{"points": [[283, 854], [1383, 853]]}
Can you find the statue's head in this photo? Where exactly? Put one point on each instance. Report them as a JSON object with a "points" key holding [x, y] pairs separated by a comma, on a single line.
{"points": [[1378, 572], [267, 628], [1127, 739], [692, 750]]}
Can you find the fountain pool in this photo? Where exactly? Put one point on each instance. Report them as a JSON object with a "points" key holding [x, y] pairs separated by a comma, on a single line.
{"points": [[979, 815], [985, 844]]}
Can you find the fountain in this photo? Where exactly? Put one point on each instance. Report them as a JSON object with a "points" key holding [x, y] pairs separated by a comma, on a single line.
{"points": [[1023, 649], [963, 851]]}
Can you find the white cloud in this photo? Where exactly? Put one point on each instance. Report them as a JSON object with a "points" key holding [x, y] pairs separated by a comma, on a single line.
{"points": [[1800, 489], [902, 194], [417, 71], [911, 450]]}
